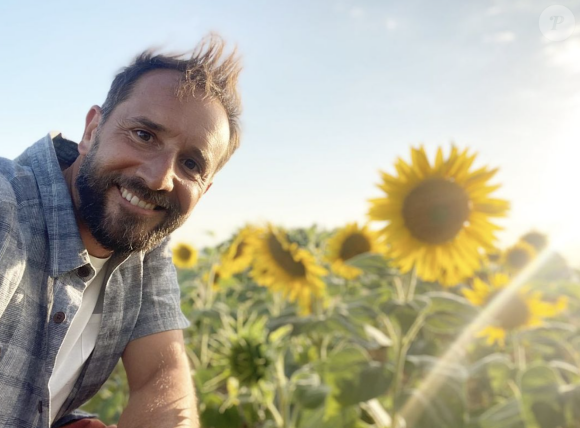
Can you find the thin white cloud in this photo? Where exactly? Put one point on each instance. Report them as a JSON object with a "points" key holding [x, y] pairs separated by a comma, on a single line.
{"points": [[494, 10], [391, 24], [356, 12], [564, 54], [501, 37], [505, 7]]}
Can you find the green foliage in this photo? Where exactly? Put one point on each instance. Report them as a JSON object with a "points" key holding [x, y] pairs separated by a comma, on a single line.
{"points": [[369, 355], [248, 360]]}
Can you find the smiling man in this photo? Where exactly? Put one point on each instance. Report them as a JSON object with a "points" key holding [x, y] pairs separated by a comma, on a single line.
{"points": [[85, 272]]}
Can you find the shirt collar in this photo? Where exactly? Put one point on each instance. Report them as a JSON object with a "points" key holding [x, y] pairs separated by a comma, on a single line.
{"points": [[47, 156]]}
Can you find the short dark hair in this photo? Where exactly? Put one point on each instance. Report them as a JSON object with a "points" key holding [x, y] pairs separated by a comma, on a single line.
{"points": [[207, 69]]}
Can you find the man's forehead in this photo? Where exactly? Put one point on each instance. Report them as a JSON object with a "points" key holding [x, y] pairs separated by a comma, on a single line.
{"points": [[155, 99], [155, 96], [157, 83]]}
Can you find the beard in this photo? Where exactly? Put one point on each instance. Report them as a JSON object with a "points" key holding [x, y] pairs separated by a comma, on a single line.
{"points": [[124, 232]]}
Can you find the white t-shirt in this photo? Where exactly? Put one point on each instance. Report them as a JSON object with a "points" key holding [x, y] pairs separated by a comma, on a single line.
{"points": [[79, 341]]}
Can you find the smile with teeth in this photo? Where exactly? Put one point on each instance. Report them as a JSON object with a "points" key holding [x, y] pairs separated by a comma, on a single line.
{"points": [[135, 200]]}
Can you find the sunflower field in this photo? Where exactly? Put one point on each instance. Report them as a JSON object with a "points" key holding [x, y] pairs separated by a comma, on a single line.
{"points": [[415, 319]]}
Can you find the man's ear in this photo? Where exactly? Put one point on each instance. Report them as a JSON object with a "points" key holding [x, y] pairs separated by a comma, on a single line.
{"points": [[207, 188], [91, 124]]}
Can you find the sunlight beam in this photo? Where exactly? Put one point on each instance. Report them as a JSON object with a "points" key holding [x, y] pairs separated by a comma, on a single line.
{"points": [[415, 405]]}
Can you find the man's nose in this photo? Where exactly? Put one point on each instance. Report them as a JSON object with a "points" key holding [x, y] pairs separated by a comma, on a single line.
{"points": [[158, 172]]}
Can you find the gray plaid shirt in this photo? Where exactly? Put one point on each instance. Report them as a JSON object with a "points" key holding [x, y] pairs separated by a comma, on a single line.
{"points": [[43, 269]]}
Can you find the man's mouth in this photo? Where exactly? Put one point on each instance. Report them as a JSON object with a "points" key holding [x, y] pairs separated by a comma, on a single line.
{"points": [[135, 200]]}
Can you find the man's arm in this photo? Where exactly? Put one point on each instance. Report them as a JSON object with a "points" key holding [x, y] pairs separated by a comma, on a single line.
{"points": [[160, 385]]}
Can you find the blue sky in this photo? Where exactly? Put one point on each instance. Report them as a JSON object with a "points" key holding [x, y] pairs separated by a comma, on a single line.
{"points": [[333, 91]]}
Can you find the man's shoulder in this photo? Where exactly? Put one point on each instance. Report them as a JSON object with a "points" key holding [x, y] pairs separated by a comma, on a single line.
{"points": [[23, 176], [8, 172], [17, 182]]}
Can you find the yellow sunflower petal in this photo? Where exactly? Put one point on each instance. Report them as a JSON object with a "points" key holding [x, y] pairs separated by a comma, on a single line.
{"points": [[184, 255], [524, 309], [239, 255], [438, 215], [349, 242], [284, 267]]}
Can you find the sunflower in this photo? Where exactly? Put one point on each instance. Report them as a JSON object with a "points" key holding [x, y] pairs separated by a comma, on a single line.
{"points": [[536, 239], [283, 266], [517, 257], [239, 254], [349, 242], [184, 255], [240, 349], [248, 359], [524, 309], [439, 215]]}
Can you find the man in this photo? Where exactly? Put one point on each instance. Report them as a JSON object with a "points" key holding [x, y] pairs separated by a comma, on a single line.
{"points": [[85, 272]]}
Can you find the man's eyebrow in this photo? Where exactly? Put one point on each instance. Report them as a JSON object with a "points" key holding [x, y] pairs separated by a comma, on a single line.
{"points": [[143, 121]]}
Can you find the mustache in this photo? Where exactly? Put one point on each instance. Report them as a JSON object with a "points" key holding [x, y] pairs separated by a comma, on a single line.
{"points": [[138, 187]]}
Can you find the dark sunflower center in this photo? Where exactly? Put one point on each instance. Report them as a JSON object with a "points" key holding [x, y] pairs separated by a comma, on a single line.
{"points": [[248, 361], [354, 245], [536, 240], [513, 314], [518, 258], [240, 249], [284, 259], [184, 253], [435, 210]]}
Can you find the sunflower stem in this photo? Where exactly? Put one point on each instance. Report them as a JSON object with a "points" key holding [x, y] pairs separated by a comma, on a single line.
{"points": [[276, 414], [295, 416], [399, 288], [519, 352], [390, 327], [324, 347], [398, 380], [412, 284], [278, 304], [317, 306], [403, 345], [283, 402], [414, 330], [203, 357]]}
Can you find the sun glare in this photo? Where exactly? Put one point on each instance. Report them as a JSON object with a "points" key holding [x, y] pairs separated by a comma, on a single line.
{"points": [[414, 407]]}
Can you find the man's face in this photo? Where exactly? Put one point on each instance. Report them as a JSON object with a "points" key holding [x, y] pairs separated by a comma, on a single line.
{"points": [[145, 168]]}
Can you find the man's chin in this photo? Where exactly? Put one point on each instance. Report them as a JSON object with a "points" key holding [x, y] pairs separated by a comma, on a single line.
{"points": [[130, 241], [123, 230], [130, 236]]}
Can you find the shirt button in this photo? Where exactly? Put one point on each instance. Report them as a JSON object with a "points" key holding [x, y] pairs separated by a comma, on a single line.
{"points": [[59, 317], [84, 271]]}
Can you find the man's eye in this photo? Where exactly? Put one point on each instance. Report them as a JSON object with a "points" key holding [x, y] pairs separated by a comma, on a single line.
{"points": [[144, 136], [190, 164]]}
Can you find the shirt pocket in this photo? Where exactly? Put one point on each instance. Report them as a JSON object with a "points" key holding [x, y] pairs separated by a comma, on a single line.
{"points": [[89, 335]]}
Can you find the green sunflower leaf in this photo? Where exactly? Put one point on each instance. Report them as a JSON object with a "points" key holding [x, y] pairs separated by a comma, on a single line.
{"points": [[372, 263], [541, 399], [506, 414]]}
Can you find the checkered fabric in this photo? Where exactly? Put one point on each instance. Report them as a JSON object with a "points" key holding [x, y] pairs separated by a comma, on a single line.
{"points": [[43, 272]]}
